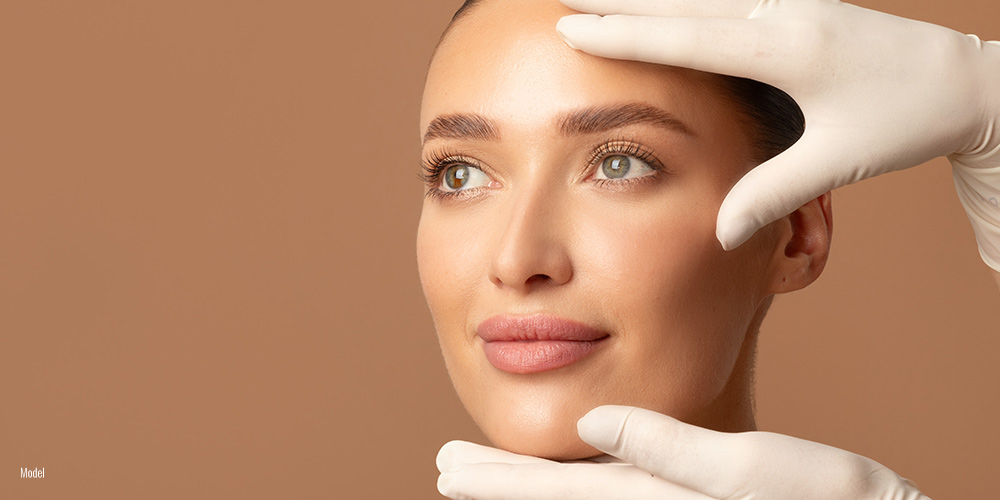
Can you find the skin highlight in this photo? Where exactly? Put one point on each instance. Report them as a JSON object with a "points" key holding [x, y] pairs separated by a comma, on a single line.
{"points": [[540, 228]]}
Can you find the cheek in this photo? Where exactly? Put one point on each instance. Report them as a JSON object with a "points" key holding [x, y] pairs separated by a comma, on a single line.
{"points": [[659, 257], [450, 260], [682, 304]]}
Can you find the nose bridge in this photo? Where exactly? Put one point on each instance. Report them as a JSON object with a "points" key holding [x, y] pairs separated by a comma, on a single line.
{"points": [[532, 249]]}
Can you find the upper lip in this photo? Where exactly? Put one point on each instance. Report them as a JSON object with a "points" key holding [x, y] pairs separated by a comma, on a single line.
{"points": [[506, 328]]}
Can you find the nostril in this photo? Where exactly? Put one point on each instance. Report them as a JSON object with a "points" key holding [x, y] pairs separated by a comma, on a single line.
{"points": [[537, 279], [526, 260]]}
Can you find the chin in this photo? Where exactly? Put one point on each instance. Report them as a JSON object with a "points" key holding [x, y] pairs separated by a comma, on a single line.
{"points": [[559, 445], [545, 431]]}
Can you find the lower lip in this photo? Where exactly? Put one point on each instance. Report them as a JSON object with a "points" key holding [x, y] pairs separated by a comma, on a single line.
{"points": [[533, 356]]}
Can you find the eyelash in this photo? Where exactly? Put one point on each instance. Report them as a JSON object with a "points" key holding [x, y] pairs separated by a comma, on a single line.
{"points": [[625, 148], [433, 167]]}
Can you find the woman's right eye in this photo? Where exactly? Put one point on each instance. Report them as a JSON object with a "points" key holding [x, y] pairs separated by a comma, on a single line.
{"points": [[461, 176]]}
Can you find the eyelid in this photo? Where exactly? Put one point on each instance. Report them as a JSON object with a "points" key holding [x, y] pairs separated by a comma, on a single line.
{"points": [[435, 163], [626, 148]]}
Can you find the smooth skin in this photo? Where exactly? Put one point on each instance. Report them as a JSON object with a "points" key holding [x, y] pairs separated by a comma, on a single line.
{"points": [[538, 231]]}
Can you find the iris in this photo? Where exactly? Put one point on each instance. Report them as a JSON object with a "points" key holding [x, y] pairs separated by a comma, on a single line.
{"points": [[616, 166]]}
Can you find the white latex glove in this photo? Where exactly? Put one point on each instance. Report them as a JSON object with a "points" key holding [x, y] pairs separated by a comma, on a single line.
{"points": [[667, 459], [879, 93]]}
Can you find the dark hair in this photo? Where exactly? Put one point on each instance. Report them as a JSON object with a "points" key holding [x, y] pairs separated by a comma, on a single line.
{"points": [[462, 11], [772, 117]]}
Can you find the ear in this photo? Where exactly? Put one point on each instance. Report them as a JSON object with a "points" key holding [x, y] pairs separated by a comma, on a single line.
{"points": [[802, 246]]}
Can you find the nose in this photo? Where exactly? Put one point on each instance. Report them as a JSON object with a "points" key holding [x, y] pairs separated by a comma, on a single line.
{"points": [[533, 251]]}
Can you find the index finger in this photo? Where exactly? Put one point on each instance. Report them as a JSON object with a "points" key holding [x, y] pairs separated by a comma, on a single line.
{"points": [[457, 453], [558, 481], [666, 8], [749, 48]]}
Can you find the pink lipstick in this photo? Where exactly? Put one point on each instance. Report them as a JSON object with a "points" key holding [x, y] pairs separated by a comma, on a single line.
{"points": [[532, 344]]}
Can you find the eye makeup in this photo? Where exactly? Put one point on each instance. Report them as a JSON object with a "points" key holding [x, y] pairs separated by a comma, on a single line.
{"points": [[433, 173], [437, 165], [626, 149]]}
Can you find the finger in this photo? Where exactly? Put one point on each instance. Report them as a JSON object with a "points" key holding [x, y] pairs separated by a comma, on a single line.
{"points": [[752, 48], [779, 186], [553, 481], [699, 459], [666, 8], [457, 453]]}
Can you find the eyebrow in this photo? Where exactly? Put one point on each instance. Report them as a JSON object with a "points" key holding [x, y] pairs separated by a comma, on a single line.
{"points": [[604, 118], [578, 122], [461, 126]]}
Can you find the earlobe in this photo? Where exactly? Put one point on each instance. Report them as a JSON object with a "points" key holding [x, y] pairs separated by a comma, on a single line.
{"points": [[803, 246]]}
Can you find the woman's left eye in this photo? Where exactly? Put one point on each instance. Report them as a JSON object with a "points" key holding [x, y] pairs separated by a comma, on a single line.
{"points": [[461, 176], [616, 166]]}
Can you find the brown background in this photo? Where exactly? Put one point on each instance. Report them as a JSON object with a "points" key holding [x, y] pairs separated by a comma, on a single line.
{"points": [[208, 285]]}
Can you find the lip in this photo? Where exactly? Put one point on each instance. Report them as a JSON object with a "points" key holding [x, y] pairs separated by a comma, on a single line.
{"points": [[538, 343]]}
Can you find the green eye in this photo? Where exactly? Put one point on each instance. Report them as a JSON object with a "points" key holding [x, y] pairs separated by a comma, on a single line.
{"points": [[622, 167], [616, 166], [456, 176], [461, 177]]}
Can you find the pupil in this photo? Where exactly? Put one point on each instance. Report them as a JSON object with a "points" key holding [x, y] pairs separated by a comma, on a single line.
{"points": [[457, 176], [615, 167]]}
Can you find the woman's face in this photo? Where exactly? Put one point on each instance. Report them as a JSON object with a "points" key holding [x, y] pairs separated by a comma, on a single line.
{"points": [[567, 244]]}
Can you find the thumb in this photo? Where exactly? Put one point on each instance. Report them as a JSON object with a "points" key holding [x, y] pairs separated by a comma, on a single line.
{"points": [[779, 186], [699, 459]]}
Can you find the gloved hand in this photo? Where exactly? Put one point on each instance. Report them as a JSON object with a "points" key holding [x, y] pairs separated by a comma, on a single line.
{"points": [[879, 93], [667, 459]]}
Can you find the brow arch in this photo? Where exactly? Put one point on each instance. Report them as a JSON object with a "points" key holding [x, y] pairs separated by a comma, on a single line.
{"points": [[603, 118]]}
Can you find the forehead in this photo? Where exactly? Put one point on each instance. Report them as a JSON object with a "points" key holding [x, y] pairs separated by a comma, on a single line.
{"points": [[505, 60]]}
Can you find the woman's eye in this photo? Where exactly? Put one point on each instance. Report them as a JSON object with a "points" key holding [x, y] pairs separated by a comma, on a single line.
{"points": [[622, 167], [460, 176]]}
